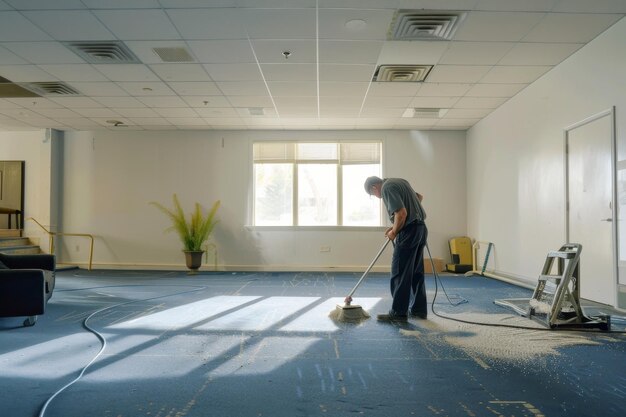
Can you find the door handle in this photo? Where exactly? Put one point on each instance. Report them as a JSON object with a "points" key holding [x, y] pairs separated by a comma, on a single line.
{"points": [[607, 220]]}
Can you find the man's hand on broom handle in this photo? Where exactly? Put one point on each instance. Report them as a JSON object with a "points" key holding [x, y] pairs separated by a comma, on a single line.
{"points": [[347, 300]]}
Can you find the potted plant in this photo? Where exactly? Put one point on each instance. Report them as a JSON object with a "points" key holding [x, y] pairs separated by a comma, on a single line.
{"points": [[193, 232]]}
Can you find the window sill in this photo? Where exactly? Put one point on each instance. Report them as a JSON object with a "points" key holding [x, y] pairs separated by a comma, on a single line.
{"points": [[315, 228]]}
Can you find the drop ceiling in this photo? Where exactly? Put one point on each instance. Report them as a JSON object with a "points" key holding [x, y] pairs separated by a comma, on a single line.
{"points": [[278, 64]]}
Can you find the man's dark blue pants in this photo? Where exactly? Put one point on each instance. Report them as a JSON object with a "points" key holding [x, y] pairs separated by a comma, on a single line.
{"points": [[407, 271]]}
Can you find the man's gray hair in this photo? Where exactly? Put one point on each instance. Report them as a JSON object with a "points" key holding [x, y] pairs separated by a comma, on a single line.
{"points": [[371, 181]]}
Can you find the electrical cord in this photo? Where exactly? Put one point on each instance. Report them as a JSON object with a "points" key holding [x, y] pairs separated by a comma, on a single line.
{"points": [[509, 326], [102, 339]]}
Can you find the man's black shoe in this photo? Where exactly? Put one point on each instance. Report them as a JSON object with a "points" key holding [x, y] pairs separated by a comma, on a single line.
{"points": [[391, 318], [422, 316]]}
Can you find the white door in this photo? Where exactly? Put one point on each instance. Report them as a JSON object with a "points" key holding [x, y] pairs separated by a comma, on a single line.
{"points": [[590, 197]]}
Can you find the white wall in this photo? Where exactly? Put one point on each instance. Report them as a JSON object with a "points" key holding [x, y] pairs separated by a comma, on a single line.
{"points": [[110, 177], [36, 149], [515, 156]]}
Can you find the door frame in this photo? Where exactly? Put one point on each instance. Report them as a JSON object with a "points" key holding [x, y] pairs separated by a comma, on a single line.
{"points": [[615, 253]]}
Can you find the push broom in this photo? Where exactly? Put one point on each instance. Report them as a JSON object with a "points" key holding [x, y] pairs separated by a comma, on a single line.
{"points": [[352, 312]]}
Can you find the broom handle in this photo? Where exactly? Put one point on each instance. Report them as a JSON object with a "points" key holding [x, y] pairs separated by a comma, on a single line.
{"points": [[380, 252]]}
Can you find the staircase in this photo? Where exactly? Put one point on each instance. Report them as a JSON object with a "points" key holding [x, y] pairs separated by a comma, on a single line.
{"points": [[12, 243]]}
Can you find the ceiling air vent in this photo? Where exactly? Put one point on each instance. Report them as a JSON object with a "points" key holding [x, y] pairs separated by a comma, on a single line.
{"points": [[52, 88], [103, 52], [173, 54], [409, 25], [425, 113], [401, 73]]}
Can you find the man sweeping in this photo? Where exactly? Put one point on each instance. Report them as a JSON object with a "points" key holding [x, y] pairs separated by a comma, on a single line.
{"points": [[409, 233]]}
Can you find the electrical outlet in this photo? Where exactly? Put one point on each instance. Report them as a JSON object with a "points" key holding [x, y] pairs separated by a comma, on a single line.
{"points": [[324, 248]]}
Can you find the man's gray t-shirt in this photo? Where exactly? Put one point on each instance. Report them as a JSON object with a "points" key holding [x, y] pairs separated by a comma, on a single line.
{"points": [[398, 193]]}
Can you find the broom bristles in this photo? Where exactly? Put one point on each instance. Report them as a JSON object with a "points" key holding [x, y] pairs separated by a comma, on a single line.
{"points": [[349, 313]]}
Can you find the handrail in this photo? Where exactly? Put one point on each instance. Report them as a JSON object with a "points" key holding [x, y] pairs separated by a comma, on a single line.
{"points": [[53, 234]]}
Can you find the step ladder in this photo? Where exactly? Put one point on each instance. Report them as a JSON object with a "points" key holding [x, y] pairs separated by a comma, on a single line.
{"points": [[556, 299]]}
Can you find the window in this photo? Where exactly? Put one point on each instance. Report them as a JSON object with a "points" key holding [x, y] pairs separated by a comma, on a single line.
{"points": [[315, 184]]}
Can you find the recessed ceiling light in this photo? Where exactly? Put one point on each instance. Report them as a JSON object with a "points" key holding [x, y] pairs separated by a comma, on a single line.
{"points": [[356, 24]]}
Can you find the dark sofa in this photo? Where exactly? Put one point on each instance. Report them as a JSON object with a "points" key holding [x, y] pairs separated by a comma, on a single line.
{"points": [[26, 285]]}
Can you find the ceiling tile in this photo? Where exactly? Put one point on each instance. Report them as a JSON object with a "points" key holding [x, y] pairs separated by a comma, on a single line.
{"points": [[515, 74], [15, 27], [377, 89], [596, 6], [187, 121], [387, 102], [434, 102], [76, 102], [467, 113], [163, 101], [129, 102], [180, 72], [176, 112], [268, 113], [209, 112], [443, 90], [194, 88], [206, 101], [104, 89], [292, 89], [70, 25], [570, 28], [495, 90], [539, 53], [96, 112], [349, 52], [74, 72], [382, 112], [411, 52], [251, 101], [25, 73], [138, 24], [296, 102], [346, 72], [344, 112], [147, 89], [479, 102], [54, 113], [45, 4], [289, 72], [465, 123], [137, 112], [503, 26], [234, 72], [475, 53], [343, 89], [9, 58], [222, 51], [457, 73], [341, 102], [127, 72], [44, 52], [516, 5], [352, 24], [35, 103], [122, 4], [244, 88], [212, 23], [279, 23], [156, 121]]}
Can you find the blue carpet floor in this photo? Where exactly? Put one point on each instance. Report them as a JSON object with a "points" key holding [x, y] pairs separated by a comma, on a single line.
{"points": [[261, 344]]}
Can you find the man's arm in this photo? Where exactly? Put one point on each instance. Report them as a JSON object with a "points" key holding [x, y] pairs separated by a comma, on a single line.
{"points": [[399, 218]]}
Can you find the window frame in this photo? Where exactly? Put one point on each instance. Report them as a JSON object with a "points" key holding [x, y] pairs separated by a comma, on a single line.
{"points": [[295, 189]]}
